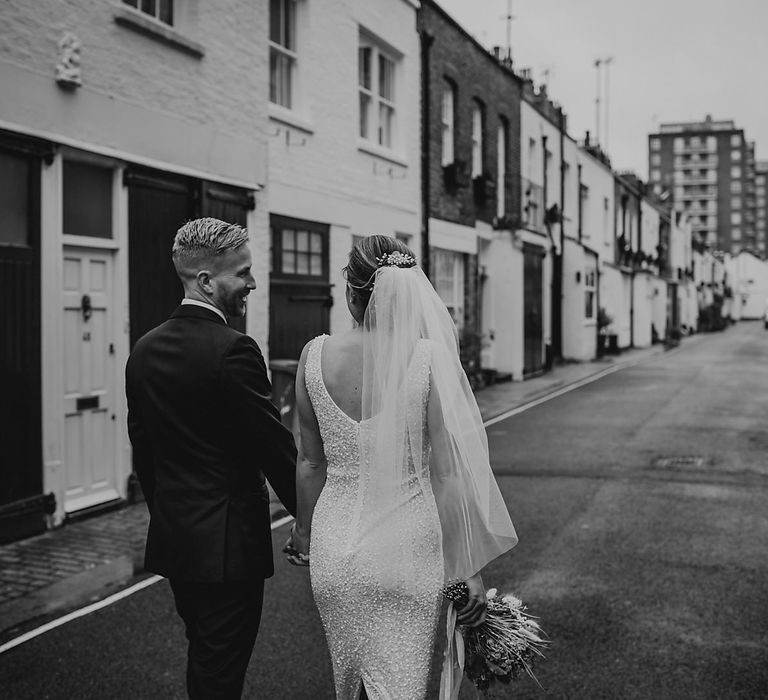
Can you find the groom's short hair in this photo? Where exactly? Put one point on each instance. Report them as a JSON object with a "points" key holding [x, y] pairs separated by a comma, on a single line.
{"points": [[200, 241]]}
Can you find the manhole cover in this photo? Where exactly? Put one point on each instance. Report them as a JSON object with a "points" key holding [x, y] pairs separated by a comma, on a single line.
{"points": [[680, 462]]}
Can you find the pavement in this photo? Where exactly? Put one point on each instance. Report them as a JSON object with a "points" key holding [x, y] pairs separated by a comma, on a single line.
{"points": [[86, 559]]}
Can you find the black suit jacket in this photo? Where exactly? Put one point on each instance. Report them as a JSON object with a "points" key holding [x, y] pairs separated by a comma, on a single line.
{"points": [[205, 433]]}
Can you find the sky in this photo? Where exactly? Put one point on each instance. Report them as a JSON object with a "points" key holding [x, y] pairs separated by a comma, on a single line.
{"points": [[671, 61]]}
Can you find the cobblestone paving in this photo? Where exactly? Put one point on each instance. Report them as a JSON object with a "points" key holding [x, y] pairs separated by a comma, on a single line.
{"points": [[39, 561]]}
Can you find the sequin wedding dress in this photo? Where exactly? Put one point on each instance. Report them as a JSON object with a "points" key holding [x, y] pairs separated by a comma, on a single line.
{"points": [[378, 592]]}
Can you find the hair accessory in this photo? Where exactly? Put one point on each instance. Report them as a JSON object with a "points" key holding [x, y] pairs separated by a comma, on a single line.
{"points": [[396, 259]]}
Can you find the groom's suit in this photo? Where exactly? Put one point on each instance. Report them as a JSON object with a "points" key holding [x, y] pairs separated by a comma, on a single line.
{"points": [[204, 435]]}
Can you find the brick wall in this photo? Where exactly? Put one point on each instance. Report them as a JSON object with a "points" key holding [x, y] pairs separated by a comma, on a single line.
{"points": [[477, 75]]}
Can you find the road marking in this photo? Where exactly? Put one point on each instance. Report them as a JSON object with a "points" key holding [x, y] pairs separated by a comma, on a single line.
{"points": [[562, 390], [93, 607]]}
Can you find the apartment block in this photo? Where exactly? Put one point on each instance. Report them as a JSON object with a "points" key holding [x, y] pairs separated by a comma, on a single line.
{"points": [[761, 195], [707, 169]]}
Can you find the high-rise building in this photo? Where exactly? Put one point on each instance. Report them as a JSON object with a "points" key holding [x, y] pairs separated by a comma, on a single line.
{"points": [[707, 168], [761, 196]]}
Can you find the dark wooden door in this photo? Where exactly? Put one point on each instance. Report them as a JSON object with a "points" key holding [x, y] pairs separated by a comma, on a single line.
{"points": [[158, 204], [533, 327], [21, 465], [299, 291]]}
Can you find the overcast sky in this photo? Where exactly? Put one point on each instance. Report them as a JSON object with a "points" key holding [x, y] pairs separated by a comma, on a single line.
{"points": [[673, 60]]}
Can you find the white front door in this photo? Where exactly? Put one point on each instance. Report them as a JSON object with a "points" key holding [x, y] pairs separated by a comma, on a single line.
{"points": [[90, 459]]}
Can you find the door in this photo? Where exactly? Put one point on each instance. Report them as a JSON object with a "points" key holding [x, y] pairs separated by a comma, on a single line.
{"points": [[533, 327], [89, 379], [299, 291]]}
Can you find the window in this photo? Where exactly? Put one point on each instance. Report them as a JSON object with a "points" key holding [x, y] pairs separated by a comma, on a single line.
{"points": [[679, 144], [735, 172], [87, 199], [448, 113], [735, 141], [656, 159], [589, 293], [301, 252], [161, 10], [735, 155], [477, 139], [448, 271], [736, 187], [735, 234], [736, 203], [695, 142], [282, 51], [14, 200], [501, 167], [584, 210], [376, 81], [655, 175], [655, 144], [712, 143], [735, 218]]}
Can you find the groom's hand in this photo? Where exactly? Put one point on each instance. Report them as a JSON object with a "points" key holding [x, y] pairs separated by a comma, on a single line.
{"points": [[473, 613], [296, 548]]}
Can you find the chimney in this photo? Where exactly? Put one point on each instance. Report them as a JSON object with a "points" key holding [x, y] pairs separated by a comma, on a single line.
{"points": [[586, 139], [497, 53]]}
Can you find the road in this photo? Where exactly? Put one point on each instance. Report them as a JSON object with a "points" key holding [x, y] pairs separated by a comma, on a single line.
{"points": [[641, 502]]}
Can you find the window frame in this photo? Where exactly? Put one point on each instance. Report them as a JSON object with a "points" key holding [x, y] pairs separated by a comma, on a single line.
{"points": [[286, 57], [278, 226], [138, 6], [448, 122], [373, 95], [478, 138], [502, 156], [457, 278]]}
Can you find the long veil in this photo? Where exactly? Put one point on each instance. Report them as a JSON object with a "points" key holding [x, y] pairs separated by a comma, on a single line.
{"points": [[404, 310]]}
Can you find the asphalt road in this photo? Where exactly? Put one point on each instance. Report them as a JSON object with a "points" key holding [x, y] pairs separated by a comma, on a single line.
{"points": [[641, 502]]}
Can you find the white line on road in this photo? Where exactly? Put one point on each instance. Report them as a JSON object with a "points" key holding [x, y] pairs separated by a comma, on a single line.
{"points": [[93, 607], [53, 624]]}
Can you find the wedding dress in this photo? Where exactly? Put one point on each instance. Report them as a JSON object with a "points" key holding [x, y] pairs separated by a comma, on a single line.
{"points": [[410, 502], [378, 592]]}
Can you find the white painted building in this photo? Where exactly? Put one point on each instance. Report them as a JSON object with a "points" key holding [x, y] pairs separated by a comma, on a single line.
{"points": [[748, 279], [344, 115], [118, 122]]}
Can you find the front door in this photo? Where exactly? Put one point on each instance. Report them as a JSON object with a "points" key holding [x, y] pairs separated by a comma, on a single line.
{"points": [[533, 327], [89, 381], [299, 291]]}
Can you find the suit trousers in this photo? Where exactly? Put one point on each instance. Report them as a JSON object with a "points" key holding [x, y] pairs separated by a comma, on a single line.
{"points": [[221, 620]]}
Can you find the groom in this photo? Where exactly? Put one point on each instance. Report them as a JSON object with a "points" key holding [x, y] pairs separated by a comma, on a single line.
{"points": [[204, 435]]}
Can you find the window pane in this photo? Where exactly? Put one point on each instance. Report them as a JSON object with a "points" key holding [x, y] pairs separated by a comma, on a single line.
{"points": [[14, 200], [289, 262], [385, 125], [365, 103], [386, 78], [316, 265], [316, 243], [148, 6], [166, 11], [288, 239], [87, 200], [280, 78], [302, 241], [132, 3], [274, 21], [302, 263], [289, 24], [364, 67]]}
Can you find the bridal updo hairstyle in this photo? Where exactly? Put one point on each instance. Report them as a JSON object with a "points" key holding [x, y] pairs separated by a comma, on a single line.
{"points": [[364, 261]]}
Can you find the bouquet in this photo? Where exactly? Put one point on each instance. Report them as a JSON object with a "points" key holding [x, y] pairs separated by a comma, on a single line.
{"points": [[504, 646]]}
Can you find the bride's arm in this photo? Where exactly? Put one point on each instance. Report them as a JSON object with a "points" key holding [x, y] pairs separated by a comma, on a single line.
{"points": [[444, 483], [311, 463]]}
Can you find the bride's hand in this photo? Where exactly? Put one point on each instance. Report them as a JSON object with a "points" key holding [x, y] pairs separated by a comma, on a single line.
{"points": [[297, 547], [473, 613]]}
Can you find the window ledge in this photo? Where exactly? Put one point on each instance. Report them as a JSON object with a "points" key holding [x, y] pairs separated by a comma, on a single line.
{"points": [[289, 118], [126, 16], [90, 242], [381, 152]]}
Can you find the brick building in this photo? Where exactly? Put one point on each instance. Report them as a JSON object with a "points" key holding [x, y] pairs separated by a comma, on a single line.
{"points": [[761, 198], [118, 122], [471, 188]]}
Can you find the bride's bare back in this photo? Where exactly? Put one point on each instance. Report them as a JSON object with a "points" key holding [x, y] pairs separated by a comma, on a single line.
{"points": [[342, 366]]}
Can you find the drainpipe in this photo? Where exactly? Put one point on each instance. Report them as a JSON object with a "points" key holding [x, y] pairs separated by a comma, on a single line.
{"points": [[580, 206], [557, 340], [639, 249], [426, 44], [552, 287]]}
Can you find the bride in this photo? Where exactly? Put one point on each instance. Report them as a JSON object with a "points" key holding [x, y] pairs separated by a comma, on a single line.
{"points": [[396, 497]]}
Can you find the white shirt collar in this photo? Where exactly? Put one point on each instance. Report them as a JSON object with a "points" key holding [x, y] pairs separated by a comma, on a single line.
{"points": [[210, 307]]}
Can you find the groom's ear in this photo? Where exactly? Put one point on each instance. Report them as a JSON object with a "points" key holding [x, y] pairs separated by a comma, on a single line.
{"points": [[204, 281]]}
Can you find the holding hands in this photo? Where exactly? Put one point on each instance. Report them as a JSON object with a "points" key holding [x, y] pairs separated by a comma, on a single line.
{"points": [[296, 547]]}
